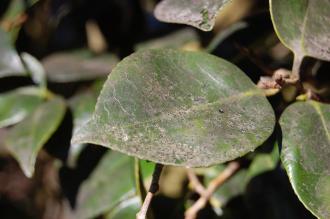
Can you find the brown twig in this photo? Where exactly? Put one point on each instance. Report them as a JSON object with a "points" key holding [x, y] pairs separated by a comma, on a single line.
{"points": [[152, 190], [195, 183], [230, 170]]}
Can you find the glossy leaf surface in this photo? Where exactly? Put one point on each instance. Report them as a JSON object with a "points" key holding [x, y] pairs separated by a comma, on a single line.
{"points": [[200, 14], [177, 39], [182, 108], [305, 153], [27, 138]]}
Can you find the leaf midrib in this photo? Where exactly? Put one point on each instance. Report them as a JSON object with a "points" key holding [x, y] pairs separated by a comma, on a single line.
{"points": [[200, 107]]}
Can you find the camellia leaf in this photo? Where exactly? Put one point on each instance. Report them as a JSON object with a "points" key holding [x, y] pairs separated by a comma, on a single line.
{"points": [[79, 65], [303, 26], [305, 153], [10, 62], [182, 108], [17, 104], [27, 138], [109, 184], [200, 14]]}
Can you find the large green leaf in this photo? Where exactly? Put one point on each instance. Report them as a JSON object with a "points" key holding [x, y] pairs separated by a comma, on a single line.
{"points": [[181, 108], [10, 62], [200, 14], [17, 104], [78, 65], [306, 152], [111, 182], [303, 26], [27, 138]]}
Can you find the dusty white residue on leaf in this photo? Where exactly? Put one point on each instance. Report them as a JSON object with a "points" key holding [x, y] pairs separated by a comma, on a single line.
{"points": [[175, 117]]}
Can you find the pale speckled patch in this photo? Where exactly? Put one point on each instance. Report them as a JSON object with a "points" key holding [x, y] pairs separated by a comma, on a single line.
{"points": [[306, 152], [197, 13]]}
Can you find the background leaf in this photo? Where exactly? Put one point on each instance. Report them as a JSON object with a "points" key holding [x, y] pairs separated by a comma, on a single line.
{"points": [[82, 106], [181, 108], [200, 14], [35, 69], [110, 183], [305, 153], [80, 65], [27, 138], [17, 104], [10, 62], [126, 209], [303, 26]]}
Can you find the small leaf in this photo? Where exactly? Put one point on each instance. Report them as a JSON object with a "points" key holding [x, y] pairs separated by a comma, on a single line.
{"points": [[27, 138], [78, 66], [263, 162], [174, 40], [305, 153], [126, 209], [17, 104], [10, 62], [109, 184], [303, 26], [200, 14], [181, 108], [36, 70]]}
